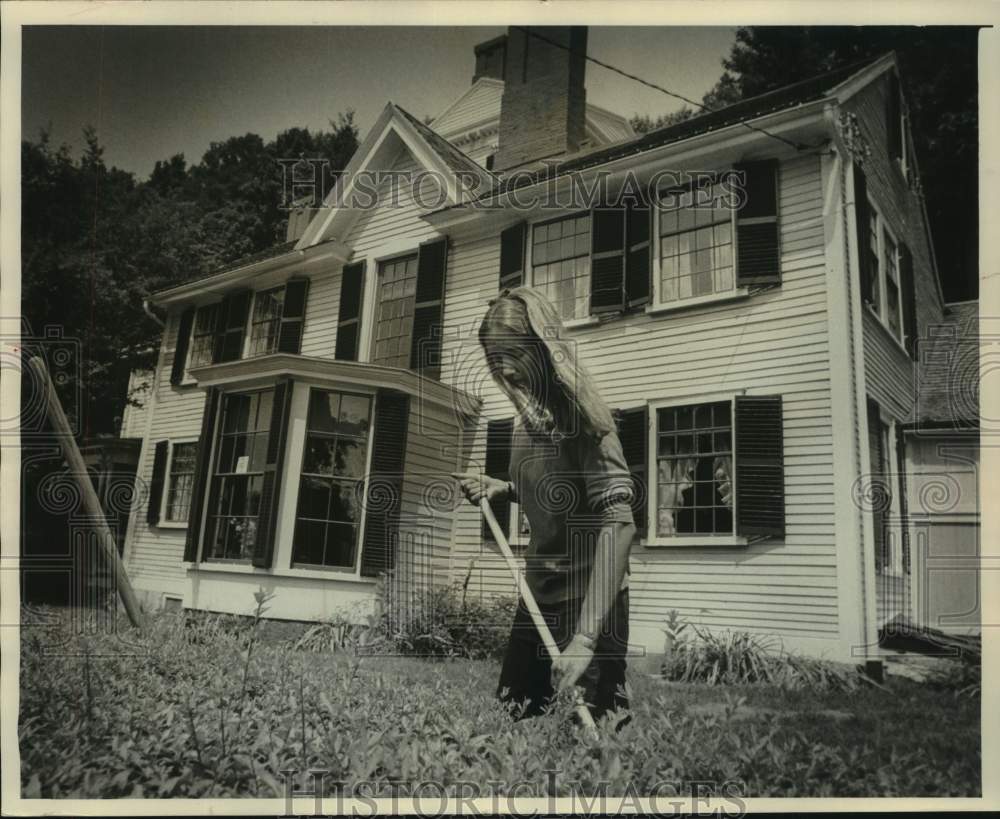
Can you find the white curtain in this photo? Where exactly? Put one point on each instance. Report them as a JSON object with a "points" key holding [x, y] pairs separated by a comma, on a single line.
{"points": [[675, 476]]}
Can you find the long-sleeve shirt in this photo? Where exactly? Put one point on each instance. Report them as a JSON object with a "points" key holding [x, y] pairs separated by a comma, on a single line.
{"points": [[568, 491]]}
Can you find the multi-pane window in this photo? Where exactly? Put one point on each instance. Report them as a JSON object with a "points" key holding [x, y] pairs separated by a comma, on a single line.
{"points": [[265, 322], [696, 243], [180, 479], [874, 280], [333, 480], [236, 480], [892, 302], [397, 288], [203, 336], [560, 261], [694, 460]]}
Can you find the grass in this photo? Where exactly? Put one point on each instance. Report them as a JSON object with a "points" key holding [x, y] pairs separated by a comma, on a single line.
{"points": [[200, 708]]}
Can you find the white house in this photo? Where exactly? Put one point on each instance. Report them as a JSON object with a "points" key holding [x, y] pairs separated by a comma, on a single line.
{"points": [[310, 402]]}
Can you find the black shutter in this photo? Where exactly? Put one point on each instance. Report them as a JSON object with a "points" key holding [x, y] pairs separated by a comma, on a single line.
{"points": [[607, 260], [861, 216], [202, 474], [894, 122], [157, 483], [879, 491], [181, 348], [633, 431], [384, 489], [270, 491], [425, 345], [499, 436], [909, 296], [352, 289], [293, 314], [904, 509], [231, 325], [512, 244], [760, 474], [637, 262], [758, 249]]}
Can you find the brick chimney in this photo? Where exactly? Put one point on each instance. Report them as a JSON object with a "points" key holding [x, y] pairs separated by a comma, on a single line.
{"points": [[543, 109], [490, 58]]}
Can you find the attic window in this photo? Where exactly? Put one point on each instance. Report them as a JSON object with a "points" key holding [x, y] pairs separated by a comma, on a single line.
{"points": [[489, 161]]}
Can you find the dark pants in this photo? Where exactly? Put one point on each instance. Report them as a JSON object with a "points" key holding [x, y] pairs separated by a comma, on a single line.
{"points": [[527, 668]]}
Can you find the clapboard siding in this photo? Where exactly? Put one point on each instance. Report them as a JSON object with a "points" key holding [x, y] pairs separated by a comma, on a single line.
{"points": [[154, 554], [888, 371], [773, 342], [479, 104]]}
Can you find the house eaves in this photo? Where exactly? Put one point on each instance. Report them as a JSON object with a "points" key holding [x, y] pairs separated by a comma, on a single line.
{"points": [[247, 268]]}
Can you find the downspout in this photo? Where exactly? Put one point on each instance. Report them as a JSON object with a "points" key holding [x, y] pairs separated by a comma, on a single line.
{"points": [[149, 312]]}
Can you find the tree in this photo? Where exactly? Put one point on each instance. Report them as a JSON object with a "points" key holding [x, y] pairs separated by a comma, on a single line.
{"points": [[96, 242], [939, 77]]}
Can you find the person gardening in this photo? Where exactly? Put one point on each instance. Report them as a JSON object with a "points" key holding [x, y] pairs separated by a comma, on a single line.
{"points": [[571, 480]]}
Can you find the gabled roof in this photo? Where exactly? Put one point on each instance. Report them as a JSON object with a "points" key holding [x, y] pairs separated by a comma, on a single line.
{"points": [[397, 128]]}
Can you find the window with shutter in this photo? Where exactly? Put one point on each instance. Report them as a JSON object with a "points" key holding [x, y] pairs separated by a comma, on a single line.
{"points": [[561, 265], [759, 464], [237, 476], [499, 437], [384, 489], [201, 475], [293, 316], [179, 482], [185, 323], [231, 326], [758, 254], [512, 250], [273, 468], [397, 288], [332, 479], [352, 289], [156, 483], [428, 313], [633, 431], [695, 231], [203, 336]]}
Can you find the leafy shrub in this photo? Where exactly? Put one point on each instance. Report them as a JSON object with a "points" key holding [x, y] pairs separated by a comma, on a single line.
{"points": [[191, 709], [738, 657]]}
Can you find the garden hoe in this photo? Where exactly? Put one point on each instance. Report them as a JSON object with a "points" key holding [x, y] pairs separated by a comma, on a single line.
{"points": [[529, 601]]}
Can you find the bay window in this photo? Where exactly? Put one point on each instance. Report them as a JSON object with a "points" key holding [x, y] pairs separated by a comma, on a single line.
{"points": [[332, 481], [237, 477]]}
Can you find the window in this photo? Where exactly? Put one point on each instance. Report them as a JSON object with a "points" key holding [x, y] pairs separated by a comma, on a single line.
{"points": [[696, 244], [397, 288], [203, 336], [265, 323], [892, 300], [180, 480], [236, 480], [334, 466], [694, 462], [560, 262]]}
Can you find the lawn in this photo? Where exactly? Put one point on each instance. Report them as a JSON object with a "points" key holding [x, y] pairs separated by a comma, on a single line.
{"points": [[196, 709]]}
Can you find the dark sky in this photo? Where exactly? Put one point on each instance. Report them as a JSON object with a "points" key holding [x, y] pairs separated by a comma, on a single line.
{"points": [[155, 91]]}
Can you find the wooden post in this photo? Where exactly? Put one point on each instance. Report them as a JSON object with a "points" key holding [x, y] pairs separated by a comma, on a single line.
{"points": [[91, 503]]}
